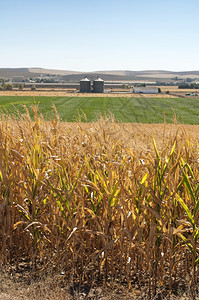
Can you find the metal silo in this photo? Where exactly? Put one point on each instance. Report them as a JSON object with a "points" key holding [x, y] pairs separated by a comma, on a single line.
{"points": [[98, 85], [85, 85]]}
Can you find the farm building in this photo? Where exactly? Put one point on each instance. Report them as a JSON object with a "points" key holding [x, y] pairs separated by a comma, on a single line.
{"points": [[18, 78], [85, 85], [145, 90], [98, 85]]}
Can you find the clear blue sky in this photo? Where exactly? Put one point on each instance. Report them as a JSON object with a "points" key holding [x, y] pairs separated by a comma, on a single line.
{"points": [[87, 35]]}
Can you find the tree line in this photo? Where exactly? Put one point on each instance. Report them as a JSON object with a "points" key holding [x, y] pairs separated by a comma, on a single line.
{"points": [[189, 86]]}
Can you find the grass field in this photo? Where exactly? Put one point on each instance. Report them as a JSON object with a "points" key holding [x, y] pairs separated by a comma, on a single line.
{"points": [[124, 109]]}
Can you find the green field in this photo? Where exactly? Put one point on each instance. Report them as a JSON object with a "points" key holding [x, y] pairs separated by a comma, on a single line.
{"points": [[139, 110]]}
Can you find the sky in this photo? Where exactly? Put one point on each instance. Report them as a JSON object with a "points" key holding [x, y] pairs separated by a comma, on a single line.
{"points": [[85, 35]]}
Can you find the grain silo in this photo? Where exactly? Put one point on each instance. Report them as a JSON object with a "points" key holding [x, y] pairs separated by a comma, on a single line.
{"points": [[85, 85], [98, 85]]}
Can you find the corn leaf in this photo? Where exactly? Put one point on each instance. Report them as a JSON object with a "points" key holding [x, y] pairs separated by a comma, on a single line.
{"points": [[191, 219], [188, 184], [189, 245]]}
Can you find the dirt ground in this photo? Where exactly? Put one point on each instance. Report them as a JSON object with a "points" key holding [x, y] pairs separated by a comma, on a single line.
{"points": [[56, 287]]}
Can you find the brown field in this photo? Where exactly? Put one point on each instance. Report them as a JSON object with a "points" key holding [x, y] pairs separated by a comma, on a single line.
{"points": [[176, 89], [58, 93], [98, 210]]}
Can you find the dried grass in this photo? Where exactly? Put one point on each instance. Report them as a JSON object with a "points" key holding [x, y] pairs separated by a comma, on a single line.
{"points": [[68, 93]]}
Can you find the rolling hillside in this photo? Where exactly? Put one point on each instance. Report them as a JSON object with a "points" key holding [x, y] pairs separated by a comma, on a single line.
{"points": [[112, 75]]}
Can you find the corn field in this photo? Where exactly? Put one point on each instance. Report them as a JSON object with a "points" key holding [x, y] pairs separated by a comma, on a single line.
{"points": [[87, 200]]}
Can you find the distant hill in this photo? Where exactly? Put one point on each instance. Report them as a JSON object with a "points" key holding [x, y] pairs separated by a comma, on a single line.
{"points": [[9, 73], [51, 71], [122, 75], [112, 75]]}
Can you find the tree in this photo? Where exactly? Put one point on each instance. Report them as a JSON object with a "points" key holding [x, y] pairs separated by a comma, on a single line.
{"points": [[2, 81], [20, 87], [8, 87]]}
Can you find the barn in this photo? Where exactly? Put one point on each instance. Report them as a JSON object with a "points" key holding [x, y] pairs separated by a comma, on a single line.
{"points": [[145, 90]]}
